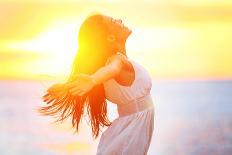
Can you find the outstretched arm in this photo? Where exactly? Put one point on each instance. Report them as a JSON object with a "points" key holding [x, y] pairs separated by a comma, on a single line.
{"points": [[84, 83]]}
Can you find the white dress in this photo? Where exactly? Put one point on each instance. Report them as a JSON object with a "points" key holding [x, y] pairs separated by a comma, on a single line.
{"points": [[128, 134]]}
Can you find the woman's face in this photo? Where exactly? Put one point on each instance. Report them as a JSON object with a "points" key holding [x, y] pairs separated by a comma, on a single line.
{"points": [[117, 29]]}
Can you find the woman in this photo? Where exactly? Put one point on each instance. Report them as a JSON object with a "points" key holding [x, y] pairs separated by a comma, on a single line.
{"points": [[102, 70]]}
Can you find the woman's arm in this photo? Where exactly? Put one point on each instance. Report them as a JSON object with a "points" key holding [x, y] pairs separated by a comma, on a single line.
{"points": [[83, 83], [110, 70]]}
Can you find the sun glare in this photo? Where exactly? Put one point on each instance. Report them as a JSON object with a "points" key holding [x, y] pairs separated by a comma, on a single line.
{"points": [[58, 44], [182, 39]]}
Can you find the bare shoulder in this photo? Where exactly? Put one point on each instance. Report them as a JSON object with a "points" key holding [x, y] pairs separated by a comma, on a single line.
{"points": [[120, 58]]}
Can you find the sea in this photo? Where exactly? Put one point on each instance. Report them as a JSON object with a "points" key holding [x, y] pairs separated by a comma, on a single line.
{"points": [[192, 117]]}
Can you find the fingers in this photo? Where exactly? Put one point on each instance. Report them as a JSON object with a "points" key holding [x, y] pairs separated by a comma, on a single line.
{"points": [[55, 88], [52, 94], [49, 97], [79, 86]]}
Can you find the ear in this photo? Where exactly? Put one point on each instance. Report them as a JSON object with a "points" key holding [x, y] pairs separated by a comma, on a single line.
{"points": [[110, 38]]}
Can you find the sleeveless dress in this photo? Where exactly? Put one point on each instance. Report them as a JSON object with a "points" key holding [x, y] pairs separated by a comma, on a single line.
{"points": [[128, 134]]}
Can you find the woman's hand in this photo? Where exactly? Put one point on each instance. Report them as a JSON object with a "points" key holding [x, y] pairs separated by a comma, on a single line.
{"points": [[81, 84], [55, 91], [56, 87]]}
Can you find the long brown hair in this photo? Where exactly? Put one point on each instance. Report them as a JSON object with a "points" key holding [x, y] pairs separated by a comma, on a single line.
{"points": [[93, 51]]}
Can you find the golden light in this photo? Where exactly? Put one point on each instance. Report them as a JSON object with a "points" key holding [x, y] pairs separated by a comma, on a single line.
{"points": [[58, 45], [179, 39]]}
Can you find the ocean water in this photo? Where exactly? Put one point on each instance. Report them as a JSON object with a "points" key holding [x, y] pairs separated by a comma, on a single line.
{"points": [[191, 118]]}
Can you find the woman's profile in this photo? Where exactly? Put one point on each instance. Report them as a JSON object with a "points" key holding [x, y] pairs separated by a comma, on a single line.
{"points": [[102, 71]]}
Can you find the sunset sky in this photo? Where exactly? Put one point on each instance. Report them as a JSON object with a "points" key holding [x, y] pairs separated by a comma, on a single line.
{"points": [[174, 39]]}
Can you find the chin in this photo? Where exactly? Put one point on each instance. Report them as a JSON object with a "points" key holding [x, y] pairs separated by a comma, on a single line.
{"points": [[125, 34], [128, 33]]}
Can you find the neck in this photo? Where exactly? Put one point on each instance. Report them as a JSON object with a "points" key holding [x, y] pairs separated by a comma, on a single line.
{"points": [[122, 47], [123, 50]]}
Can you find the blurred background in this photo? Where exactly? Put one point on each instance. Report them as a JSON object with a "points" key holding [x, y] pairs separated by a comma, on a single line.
{"points": [[184, 44]]}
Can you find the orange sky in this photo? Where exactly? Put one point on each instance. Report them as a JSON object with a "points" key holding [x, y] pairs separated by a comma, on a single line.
{"points": [[182, 39]]}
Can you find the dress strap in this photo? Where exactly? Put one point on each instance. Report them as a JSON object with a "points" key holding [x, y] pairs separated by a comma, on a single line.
{"points": [[137, 105]]}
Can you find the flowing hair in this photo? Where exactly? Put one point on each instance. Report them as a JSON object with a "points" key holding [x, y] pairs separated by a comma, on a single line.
{"points": [[93, 51]]}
